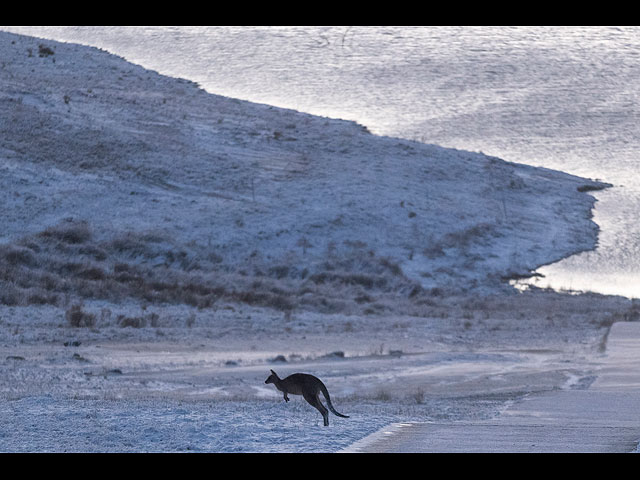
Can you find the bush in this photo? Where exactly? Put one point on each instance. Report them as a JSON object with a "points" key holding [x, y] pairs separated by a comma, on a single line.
{"points": [[135, 322], [69, 231], [10, 296], [92, 273], [15, 255], [76, 317], [44, 51]]}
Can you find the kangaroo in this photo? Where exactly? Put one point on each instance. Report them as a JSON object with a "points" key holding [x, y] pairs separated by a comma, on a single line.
{"points": [[309, 387]]}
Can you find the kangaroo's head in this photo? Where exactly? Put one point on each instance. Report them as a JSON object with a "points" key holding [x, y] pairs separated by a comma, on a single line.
{"points": [[272, 378]]}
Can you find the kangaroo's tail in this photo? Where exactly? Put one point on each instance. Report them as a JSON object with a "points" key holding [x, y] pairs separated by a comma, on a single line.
{"points": [[325, 392]]}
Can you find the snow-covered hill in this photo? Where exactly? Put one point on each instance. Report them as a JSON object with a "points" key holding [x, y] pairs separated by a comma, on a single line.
{"points": [[160, 176]]}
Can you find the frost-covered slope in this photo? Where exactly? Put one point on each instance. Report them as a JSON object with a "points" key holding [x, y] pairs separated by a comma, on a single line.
{"points": [[86, 135]]}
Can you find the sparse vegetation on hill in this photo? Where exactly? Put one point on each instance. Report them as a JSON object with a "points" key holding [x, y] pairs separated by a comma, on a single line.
{"points": [[65, 263]]}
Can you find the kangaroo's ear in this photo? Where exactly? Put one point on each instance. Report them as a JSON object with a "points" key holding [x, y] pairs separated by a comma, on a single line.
{"points": [[273, 372]]}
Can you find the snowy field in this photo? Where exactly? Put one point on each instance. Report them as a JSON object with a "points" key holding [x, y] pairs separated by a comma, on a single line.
{"points": [[195, 381], [43, 424], [163, 248]]}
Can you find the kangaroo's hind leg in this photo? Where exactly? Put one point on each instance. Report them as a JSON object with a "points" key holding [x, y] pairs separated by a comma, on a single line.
{"points": [[315, 402]]}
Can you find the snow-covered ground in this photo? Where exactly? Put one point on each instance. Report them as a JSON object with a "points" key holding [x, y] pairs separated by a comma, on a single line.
{"points": [[195, 381], [162, 248]]}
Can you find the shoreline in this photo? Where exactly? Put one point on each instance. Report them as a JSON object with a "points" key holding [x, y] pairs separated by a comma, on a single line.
{"points": [[280, 186]]}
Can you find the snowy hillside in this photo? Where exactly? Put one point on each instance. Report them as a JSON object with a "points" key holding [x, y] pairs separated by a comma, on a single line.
{"points": [[118, 182]]}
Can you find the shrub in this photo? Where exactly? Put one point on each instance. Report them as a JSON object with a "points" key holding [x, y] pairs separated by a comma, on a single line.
{"points": [[95, 252], [10, 296], [393, 267], [364, 280], [418, 396], [279, 271], [41, 299], [44, 51], [15, 255], [69, 231], [135, 322], [92, 273], [77, 317]]}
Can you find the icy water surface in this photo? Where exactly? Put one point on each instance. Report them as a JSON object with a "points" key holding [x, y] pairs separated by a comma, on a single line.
{"points": [[565, 98]]}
